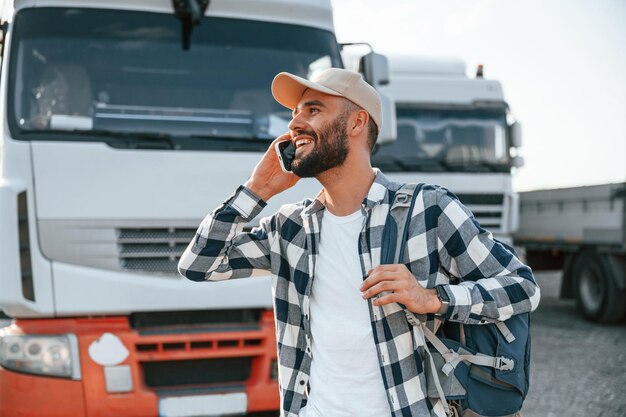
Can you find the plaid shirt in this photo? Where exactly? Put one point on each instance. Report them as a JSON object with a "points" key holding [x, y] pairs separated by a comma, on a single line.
{"points": [[446, 246]]}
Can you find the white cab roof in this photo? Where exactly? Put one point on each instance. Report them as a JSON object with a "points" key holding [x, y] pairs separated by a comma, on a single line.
{"points": [[438, 81], [317, 13], [422, 65]]}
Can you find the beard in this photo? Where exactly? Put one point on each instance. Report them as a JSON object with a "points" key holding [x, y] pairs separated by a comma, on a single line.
{"points": [[330, 150]]}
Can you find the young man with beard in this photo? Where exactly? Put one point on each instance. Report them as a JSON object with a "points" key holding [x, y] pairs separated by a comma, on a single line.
{"points": [[345, 346]]}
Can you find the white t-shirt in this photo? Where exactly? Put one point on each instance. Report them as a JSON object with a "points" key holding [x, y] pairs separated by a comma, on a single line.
{"points": [[345, 375]]}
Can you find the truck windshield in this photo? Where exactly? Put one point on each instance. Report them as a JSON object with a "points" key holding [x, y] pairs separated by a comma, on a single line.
{"points": [[90, 74], [446, 140]]}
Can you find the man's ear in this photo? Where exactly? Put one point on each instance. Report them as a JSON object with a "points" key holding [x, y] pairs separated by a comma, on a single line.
{"points": [[358, 123]]}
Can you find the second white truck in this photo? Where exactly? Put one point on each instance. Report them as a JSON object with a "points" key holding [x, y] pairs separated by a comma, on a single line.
{"points": [[457, 132]]}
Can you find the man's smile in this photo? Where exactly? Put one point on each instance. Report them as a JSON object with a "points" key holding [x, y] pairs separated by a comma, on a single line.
{"points": [[302, 142]]}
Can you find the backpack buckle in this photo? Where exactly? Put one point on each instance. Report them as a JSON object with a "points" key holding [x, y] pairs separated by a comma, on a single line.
{"points": [[402, 198], [504, 364]]}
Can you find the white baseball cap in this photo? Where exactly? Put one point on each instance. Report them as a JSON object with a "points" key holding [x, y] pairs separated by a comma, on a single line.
{"points": [[288, 89]]}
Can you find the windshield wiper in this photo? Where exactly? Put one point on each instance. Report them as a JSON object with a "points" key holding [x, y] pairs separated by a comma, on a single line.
{"points": [[235, 143], [417, 164], [410, 163], [155, 140], [130, 140], [477, 166]]}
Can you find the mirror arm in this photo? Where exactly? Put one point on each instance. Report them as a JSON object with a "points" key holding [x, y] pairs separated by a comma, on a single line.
{"points": [[342, 45], [190, 13]]}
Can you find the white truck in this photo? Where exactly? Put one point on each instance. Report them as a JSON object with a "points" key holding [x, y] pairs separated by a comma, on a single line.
{"points": [[581, 231], [457, 132], [124, 123]]}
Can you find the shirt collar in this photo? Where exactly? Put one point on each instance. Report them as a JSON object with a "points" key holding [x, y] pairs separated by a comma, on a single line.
{"points": [[375, 195], [378, 190]]}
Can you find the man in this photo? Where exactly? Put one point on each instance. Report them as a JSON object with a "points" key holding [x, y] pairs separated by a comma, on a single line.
{"points": [[344, 344]]}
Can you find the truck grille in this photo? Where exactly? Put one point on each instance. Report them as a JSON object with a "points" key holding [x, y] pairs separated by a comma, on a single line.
{"points": [[218, 351], [157, 250], [203, 345], [154, 250], [164, 319], [487, 208], [196, 372]]}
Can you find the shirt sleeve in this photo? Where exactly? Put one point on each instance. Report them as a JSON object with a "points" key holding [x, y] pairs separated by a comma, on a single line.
{"points": [[220, 249], [492, 283]]}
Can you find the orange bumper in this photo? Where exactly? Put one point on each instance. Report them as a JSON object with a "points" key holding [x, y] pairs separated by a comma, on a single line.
{"points": [[153, 356], [30, 396]]}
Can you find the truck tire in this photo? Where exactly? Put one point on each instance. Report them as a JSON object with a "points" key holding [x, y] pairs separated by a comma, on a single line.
{"points": [[597, 293]]}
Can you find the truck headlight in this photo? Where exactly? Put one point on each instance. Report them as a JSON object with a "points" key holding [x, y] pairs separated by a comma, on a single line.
{"points": [[50, 355]]}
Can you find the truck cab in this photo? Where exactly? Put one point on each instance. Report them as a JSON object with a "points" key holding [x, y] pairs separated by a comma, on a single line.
{"points": [[125, 122], [457, 132]]}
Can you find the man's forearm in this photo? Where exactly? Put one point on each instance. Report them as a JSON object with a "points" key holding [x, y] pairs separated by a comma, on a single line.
{"points": [[214, 246]]}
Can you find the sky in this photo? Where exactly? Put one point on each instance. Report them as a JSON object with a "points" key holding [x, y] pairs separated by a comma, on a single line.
{"points": [[562, 65]]}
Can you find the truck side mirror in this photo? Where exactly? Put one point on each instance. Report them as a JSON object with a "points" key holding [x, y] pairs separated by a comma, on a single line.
{"points": [[375, 70], [516, 135]]}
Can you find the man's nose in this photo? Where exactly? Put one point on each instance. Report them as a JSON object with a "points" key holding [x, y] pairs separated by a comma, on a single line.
{"points": [[296, 123]]}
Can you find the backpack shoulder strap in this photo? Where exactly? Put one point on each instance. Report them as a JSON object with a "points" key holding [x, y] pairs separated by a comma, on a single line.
{"points": [[396, 227], [394, 236]]}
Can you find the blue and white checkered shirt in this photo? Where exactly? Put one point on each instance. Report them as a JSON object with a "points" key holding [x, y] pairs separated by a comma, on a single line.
{"points": [[446, 246]]}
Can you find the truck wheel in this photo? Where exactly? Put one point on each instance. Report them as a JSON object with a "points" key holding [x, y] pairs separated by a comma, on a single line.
{"points": [[597, 294]]}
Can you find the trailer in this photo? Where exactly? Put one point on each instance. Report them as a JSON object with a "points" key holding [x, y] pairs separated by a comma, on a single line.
{"points": [[581, 230]]}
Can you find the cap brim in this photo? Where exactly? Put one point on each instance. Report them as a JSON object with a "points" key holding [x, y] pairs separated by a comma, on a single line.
{"points": [[288, 89]]}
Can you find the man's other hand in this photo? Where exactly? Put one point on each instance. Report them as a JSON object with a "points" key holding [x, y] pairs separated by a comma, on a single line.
{"points": [[268, 179], [396, 284]]}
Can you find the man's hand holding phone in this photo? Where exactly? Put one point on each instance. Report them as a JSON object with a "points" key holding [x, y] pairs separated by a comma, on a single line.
{"points": [[270, 177]]}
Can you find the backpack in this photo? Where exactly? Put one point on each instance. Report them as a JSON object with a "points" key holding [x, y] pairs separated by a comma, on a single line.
{"points": [[484, 367]]}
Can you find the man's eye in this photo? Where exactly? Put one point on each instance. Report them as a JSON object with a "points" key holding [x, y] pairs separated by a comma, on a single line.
{"points": [[314, 110]]}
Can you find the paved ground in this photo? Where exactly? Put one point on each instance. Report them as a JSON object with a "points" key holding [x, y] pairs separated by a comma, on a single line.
{"points": [[578, 367]]}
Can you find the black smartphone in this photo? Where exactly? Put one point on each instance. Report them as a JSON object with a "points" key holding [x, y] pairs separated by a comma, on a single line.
{"points": [[286, 151]]}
